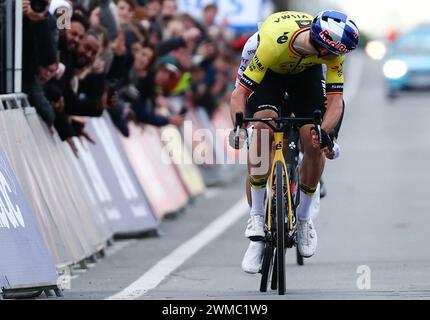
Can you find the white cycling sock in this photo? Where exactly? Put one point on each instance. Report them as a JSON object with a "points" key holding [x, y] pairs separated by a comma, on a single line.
{"points": [[257, 196], [315, 206], [304, 210]]}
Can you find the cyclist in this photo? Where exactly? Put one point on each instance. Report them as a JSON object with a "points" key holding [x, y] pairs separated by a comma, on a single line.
{"points": [[292, 47], [248, 52]]}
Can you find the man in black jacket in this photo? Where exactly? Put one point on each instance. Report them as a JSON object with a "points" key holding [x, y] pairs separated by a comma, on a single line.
{"points": [[39, 52], [68, 43]]}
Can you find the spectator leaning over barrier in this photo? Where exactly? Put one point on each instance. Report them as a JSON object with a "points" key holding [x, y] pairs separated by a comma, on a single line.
{"points": [[88, 99], [39, 59], [127, 57], [68, 43]]}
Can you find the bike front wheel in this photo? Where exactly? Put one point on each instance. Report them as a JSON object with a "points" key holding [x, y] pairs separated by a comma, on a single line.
{"points": [[280, 227]]}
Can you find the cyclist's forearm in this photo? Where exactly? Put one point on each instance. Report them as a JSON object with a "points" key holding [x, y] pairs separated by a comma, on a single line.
{"points": [[333, 112], [238, 100]]}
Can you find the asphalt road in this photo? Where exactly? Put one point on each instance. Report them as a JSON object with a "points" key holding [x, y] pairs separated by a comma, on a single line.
{"points": [[375, 218]]}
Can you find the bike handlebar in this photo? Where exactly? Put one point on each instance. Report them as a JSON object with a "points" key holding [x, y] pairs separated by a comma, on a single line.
{"points": [[282, 123]]}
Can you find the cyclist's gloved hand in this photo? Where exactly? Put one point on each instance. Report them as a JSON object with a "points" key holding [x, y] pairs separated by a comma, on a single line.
{"points": [[237, 141], [327, 140], [330, 147], [336, 150]]}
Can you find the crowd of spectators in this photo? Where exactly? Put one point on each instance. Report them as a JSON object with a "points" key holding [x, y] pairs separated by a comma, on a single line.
{"points": [[125, 57]]}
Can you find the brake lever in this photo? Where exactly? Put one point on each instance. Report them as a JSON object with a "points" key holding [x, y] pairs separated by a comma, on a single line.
{"points": [[319, 134], [237, 138], [239, 123], [317, 122]]}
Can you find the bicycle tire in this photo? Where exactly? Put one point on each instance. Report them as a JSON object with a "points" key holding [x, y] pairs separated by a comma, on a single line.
{"points": [[292, 159], [299, 257], [280, 227], [274, 283], [266, 266]]}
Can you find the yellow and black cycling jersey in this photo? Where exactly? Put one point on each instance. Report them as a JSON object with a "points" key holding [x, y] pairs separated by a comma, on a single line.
{"points": [[275, 51]]}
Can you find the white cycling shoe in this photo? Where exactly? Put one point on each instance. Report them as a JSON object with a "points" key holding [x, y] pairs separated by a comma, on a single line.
{"points": [[307, 238], [252, 260], [255, 228]]}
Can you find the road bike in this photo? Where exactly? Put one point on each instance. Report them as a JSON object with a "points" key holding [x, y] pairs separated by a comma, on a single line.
{"points": [[283, 195]]}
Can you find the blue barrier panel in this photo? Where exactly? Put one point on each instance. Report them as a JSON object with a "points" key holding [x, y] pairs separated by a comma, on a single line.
{"points": [[114, 182], [24, 259]]}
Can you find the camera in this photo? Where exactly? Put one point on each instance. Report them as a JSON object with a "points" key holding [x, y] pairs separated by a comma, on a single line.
{"points": [[130, 93], [39, 5], [112, 87]]}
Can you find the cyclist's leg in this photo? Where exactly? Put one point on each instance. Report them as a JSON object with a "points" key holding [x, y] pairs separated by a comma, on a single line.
{"points": [[258, 168], [306, 94], [263, 102]]}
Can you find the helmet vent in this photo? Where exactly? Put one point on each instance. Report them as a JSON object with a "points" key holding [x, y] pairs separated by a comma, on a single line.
{"points": [[353, 23], [351, 37]]}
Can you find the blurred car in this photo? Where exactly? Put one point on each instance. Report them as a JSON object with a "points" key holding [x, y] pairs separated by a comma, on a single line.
{"points": [[407, 63]]}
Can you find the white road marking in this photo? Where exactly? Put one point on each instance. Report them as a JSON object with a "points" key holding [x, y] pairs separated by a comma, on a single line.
{"points": [[355, 72], [154, 276], [212, 192]]}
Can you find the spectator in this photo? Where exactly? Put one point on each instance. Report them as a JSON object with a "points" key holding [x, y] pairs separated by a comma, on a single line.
{"points": [[125, 10], [210, 12], [146, 80], [84, 100], [39, 59], [126, 58], [169, 10]]}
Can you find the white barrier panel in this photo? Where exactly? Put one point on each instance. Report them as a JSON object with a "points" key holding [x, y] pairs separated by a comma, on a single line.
{"points": [[160, 181], [182, 158], [69, 224], [17, 144], [91, 230], [114, 183], [25, 262]]}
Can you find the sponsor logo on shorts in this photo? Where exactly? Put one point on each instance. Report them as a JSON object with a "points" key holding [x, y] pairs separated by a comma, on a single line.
{"points": [[267, 106]]}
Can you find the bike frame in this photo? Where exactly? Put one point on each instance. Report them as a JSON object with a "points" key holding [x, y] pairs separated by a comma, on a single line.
{"points": [[279, 156], [282, 123], [279, 134]]}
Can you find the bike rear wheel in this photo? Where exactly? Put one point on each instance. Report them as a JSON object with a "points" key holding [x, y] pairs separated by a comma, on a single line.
{"points": [[267, 265], [292, 158]]}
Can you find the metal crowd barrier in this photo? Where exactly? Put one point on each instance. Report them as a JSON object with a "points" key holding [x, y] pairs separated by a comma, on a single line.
{"points": [[72, 207]]}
